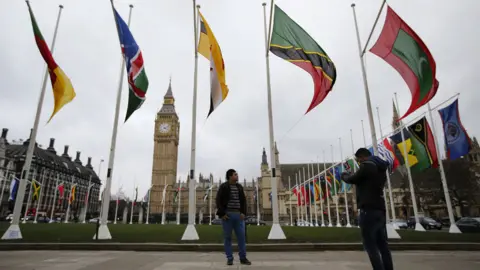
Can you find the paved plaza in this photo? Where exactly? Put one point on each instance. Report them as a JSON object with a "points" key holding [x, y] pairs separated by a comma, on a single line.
{"points": [[335, 260]]}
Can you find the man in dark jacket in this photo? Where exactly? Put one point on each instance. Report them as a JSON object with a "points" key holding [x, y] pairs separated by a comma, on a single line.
{"points": [[370, 181], [232, 208]]}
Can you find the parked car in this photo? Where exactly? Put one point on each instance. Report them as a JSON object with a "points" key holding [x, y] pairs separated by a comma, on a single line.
{"points": [[469, 224], [253, 221], [427, 223], [400, 223], [216, 221]]}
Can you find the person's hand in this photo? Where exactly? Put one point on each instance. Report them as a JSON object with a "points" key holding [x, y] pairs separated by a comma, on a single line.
{"points": [[225, 217], [242, 216]]}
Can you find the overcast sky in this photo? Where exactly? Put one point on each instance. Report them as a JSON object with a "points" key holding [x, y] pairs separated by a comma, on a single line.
{"points": [[87, 49]]}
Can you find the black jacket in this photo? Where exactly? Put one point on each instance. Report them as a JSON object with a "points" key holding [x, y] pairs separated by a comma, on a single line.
{"points": [[223, 196], [369, 181]]}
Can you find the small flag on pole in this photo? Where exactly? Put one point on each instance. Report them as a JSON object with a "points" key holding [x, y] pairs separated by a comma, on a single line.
{"points": [[456, 138]]}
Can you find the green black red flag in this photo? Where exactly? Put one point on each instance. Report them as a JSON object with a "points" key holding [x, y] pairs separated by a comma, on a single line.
{"points": [[290, 42]]}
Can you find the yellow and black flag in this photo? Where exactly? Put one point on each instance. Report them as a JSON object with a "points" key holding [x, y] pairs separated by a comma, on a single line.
{"points": [[209, 48], [36, 189]]}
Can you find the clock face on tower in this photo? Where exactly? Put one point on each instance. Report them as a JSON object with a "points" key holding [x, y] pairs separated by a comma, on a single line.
{"points": [[164, 128]]}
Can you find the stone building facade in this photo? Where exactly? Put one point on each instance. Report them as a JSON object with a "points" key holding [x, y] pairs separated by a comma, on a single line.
{"points": [[49, 170]]}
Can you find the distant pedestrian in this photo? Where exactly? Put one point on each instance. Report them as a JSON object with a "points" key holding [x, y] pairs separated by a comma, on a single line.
{"points": [[232, 208], [370, 181]]}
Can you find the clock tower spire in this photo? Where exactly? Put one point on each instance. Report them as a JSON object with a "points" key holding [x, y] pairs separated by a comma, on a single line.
{"points": [[165, 153]]}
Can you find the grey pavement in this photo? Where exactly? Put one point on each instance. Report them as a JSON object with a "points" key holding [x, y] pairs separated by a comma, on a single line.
{"points": [[335, 260]]}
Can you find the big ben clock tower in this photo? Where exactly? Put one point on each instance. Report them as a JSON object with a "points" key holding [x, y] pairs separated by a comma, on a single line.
{"points": [[165, 153]]}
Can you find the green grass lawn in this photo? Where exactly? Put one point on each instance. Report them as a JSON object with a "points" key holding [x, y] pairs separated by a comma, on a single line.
{"points": [[142, 233]]}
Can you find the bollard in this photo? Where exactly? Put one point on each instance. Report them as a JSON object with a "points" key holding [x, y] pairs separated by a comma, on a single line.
{"points": [[97, 227]]}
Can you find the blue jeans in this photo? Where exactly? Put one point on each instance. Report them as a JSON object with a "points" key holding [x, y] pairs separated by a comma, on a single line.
{"points": [[234, 223], [375, 242]]}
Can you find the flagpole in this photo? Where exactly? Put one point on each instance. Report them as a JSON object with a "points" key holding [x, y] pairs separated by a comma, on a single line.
{"points": [[39, 197], [116, 207], [321, 193], [344, 186], [299, 202], [299, 176], [179, 202], [276, 231], [335, 188], [308, 212], [133, 204], [29, 196], [258, 204], [390, 233], [86, 199], [190, 232], [389, 183], [310, 176], [374, 25], [326, 189], [164, 193], [453, 226], [365, 84], [103, 231], [418, 226], [290, 201], [54, 198], [67, 215], [210, 198], [13, 231], [5, 177], [364, 138], [148, 204]]}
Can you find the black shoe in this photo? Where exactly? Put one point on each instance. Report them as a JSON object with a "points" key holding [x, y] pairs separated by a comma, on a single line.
{"points": [[245, 262], [230, 262]]}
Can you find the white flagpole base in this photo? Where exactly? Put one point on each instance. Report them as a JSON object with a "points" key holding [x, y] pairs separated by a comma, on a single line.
{"points": [[391, 233], [323, 225], [316, 224], [130, 223], [35, 222], [103, 233], [419, 227], [349, 225], [115, 222], [330, 225], [454, 229], [12, 233], [66, 221], [24, 221], [190, 233], [146, 222], [339, 225], [276, 232], [84, 222]]}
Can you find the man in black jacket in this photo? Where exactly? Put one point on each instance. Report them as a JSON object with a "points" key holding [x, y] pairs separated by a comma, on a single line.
{"points": [[370, 181], [232, 208]]}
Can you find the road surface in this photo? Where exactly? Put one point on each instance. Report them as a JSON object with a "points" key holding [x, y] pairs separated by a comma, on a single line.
{"points": [[335, 260]]}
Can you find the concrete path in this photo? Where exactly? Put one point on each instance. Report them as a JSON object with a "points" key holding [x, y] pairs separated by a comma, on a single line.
{"points": [[334, 260]]}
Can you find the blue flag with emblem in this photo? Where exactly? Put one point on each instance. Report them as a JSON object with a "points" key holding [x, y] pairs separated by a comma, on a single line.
{"points": [[456, 138]]}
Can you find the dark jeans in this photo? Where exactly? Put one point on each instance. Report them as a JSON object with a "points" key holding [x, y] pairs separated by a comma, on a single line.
{"points": [[374, 234], [234, 223]]}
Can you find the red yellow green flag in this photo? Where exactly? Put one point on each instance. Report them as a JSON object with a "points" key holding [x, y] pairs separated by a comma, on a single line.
{"points": [[63, 91]]}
